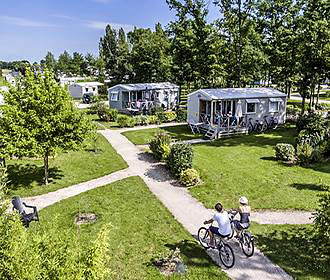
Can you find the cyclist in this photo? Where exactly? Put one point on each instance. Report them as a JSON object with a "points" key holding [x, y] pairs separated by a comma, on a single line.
{"points": [[244, 211], [222, 219]]}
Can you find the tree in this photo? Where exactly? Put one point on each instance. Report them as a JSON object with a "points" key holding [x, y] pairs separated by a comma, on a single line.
{"points": [[196, 47], [40, 118], [108, 49], [150, 56], [50, 61], [64, 63], [78, 65], [237, 26]]}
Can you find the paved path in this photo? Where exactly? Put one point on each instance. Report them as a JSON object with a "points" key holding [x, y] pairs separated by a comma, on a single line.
{"points": [[44, 200], [296, 97], [187, 210]]}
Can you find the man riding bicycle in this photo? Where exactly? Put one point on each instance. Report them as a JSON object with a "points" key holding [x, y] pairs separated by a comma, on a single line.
{"points": [[244, 211], [224, 228]]}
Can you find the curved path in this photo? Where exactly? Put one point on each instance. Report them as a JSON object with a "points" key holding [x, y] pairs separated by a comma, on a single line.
{"points": [[186, 209]]}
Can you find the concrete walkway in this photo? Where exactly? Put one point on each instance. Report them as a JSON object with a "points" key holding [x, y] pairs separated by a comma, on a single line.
{"points": [[44, 200], [187, 210]]}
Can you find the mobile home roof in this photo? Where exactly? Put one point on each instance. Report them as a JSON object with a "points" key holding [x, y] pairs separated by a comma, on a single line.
{"points": [[144, 86], [239, 93]]}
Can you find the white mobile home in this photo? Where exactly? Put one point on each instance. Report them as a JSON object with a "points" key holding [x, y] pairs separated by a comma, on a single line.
{"points": [[135, 98], [67, 81], [235, 110], [3, 88], [78, 90]]}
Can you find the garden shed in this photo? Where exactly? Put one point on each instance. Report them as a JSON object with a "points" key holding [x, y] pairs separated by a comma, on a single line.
{"points": [[230, 110], [135, 98]]}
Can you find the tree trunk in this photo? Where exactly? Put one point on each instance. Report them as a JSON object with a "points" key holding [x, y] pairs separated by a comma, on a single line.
{"points": [[303, 104], [46, 169], [289, 90], [318, 92]]}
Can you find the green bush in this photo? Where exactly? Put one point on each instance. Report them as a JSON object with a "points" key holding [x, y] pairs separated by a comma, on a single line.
{"points": [[152, 119], [180, 158], [311, 122], [160, 145], [292, 110], [161, 117], [181, 115], [305, 153], [189, 177], [314, 139], [170, 116], [285, 152], [125, 121], [322, 224], [104, 112], [141, 120], [46, 253]]}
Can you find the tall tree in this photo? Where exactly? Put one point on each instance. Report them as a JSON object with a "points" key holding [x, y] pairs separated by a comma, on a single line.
{"points": [[237, 25], [39, 118], [50, 61], [150, 56], [64, 62], [77, 65], [196, 46]]}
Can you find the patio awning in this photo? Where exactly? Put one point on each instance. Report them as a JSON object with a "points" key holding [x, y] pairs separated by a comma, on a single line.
{"points": [[275, 100], [252, 100]]}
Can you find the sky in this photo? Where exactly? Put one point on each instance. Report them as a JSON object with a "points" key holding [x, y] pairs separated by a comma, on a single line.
{"points": [[31, 28]]}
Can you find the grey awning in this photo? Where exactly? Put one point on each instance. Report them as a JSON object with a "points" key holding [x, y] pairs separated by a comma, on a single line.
{"points": [[252, 101], [275, 100]]}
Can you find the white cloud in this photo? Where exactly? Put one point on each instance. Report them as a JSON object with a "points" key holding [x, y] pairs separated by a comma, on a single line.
{"points": [[24, 22], [64, 17], [102, 1], [102, 24]]}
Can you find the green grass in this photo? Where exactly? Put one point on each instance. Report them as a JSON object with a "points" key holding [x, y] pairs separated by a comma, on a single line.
{"points": [[287, 246], [246, 165], [178, 132], [66, 169], [3, 82], [101, 124], [141, 229]]}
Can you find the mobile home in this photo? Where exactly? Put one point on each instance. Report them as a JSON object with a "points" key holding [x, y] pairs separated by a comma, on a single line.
{"points": [[232, 110]]}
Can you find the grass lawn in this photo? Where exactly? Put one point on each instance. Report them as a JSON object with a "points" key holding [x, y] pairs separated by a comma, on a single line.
{"points": [[287, 246], [66, 169], [246, 165], [3, 82], [101, 124], [141, 229], [178, 132]]}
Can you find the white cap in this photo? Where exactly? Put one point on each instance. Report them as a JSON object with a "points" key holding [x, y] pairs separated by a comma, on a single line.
{"points": [[243, 200]]}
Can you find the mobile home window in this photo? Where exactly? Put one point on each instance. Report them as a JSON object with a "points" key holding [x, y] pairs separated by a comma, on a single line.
{"points": [[251, 108], [114, 96], [274, 106]]}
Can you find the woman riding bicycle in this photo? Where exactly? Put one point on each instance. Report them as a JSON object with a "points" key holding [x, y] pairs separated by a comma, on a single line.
{"points": [[244, 211]]}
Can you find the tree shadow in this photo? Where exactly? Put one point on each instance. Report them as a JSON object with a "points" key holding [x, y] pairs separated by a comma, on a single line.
{"points": [[181, 132], [269, 158], [312, 187], [293, 251], [25, 175]]}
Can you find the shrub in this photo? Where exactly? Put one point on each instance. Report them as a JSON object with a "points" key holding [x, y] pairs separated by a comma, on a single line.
{"points": [[189, 177], [314, 139], [141, 120], [46, 253], [125, 121], [160, 145], [180, 158], [181, 115], [292, 110], [161, 117], [322, 223], [170, 116], [305, 153], [152, 119], [104, 112], [311, 122], [113, 113], [284, 152]]}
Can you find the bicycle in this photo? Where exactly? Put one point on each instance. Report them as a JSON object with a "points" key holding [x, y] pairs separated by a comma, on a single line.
{"points": [[226, 253], [272, 124], [257, 126], [245, 238]]}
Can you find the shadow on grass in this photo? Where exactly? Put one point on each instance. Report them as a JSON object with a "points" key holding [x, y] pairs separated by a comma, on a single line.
{"points": [[194, 254], [312, 187], [25, 175], [181, 132], [293, 251]]}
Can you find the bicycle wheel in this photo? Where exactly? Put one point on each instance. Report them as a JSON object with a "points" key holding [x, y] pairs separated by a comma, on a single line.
{"points": [[204, 237], [232, 231], [247, 244], [264, 126], [226, 255], [250, 128], [259, 128]]}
